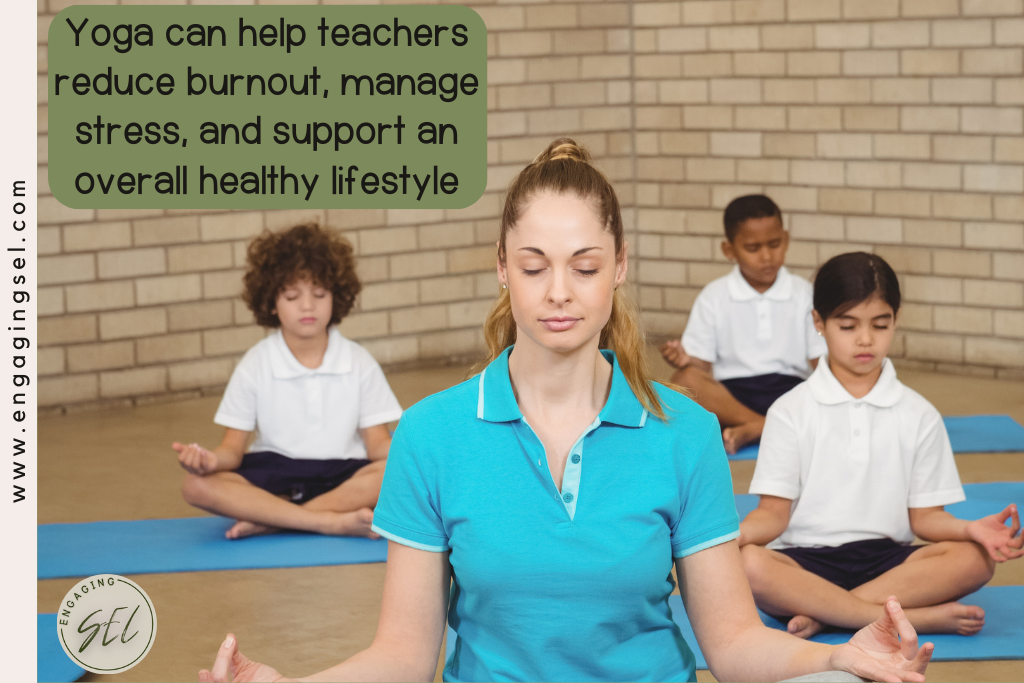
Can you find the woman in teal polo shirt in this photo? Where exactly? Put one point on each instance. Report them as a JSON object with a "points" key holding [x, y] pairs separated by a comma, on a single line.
{"points": [[540, 506]]}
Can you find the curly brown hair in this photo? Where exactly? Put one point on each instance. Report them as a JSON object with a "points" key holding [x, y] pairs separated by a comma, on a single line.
{"points": [[276, 260]]}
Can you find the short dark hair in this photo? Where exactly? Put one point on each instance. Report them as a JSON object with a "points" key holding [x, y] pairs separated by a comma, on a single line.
{"points": [[744, 208], [278, 259], [850, 279]]}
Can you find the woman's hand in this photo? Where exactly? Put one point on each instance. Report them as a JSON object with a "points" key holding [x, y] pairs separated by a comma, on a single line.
{"points": [[195, 459], [885, 650], [674, 354], [232, 665], [1000, 541]]}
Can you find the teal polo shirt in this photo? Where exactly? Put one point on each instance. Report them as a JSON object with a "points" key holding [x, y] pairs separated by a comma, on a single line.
{"points": [[552, 585]]}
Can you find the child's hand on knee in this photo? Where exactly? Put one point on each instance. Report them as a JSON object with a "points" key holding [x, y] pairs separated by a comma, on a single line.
{"points": [[195, 459], [1000, 541], [674, 355]]}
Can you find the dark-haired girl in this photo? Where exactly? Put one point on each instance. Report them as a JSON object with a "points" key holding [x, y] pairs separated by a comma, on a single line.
{"points": [[539, 507], [853, 464]]}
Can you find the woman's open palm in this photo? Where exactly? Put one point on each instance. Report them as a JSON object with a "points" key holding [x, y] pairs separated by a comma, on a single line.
{"points": [[885, 650], [232, 665]]}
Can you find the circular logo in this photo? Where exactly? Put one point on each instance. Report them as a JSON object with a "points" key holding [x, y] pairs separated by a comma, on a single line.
{"points": [[106, 624]]}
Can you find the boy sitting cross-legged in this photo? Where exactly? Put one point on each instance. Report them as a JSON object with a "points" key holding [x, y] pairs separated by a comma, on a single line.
{"points": [[750, 337], [319, 403]]}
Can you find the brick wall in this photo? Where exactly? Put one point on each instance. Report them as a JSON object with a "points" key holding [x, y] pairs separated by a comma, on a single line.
{"points": [[137, 306], [876, 124], [884, 125]]}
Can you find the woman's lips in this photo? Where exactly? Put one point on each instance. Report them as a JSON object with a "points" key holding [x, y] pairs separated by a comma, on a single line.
{"points": [[559, 324]]}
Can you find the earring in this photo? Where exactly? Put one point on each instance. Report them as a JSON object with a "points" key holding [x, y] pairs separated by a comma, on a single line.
{"points": [[504, 286]]}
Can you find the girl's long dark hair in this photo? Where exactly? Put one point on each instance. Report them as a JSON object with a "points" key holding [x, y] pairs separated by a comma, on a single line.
{"points": [[850, 279]]}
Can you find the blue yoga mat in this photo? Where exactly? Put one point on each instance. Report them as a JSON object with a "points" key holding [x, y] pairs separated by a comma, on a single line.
{"points": [[967, 434], [1002, 637], [53, 664], [191, 544], [982, 500]]}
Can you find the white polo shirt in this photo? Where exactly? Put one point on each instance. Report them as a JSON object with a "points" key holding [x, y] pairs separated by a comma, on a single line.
{"points": [[308, 413], [853, 467], [744, 333]]}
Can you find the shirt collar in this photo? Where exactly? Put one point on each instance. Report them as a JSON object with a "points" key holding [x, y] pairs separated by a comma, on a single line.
{"points": [[740, 289], [827, 390], [496, 402], [284, 365]]}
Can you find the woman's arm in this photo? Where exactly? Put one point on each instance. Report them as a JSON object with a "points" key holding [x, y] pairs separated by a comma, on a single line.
{"points": [[766, 522], [1002, 542], [227, 456], [412, 621], [377, 440], [739, 647]]}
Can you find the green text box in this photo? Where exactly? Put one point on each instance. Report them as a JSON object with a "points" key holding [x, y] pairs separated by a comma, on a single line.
{"points": [[218, 124]]}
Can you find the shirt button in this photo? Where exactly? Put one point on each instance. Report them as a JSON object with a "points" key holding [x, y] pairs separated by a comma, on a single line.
{"points": [[856, 432], [567, 497], [575, 458], [856, 405]]}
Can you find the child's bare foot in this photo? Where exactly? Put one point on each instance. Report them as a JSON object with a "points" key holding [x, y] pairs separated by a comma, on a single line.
{"points": [[738, 436], [243, 528], [804, 627], [355, 523], [949, 617]]}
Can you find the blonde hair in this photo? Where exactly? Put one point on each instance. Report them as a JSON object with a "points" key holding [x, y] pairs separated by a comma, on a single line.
{"points": [[565, 168]]}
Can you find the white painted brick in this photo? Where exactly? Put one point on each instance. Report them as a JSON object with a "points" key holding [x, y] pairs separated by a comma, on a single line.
{"points": [[962, 90], [100, 296], [124, 263], [994, 235], [962, 148], [67, 329], [55, 270], [844, 35], [844, 145], [932, 176], [900, 34], [1006, 120], [961, 32], [736, 144], [97, 236], [132, 324], [994, 178], [168, 289], [816, 227], [999, 352], [994, 293], [888, 230]]}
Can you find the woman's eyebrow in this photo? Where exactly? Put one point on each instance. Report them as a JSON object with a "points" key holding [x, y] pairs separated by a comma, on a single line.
{"points": [[537, 251]]}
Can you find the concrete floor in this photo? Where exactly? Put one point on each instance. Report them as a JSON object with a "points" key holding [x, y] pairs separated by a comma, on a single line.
{"points": [[118, 465]]}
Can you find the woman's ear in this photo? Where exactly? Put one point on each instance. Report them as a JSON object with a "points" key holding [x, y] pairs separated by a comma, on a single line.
{"points": [[502, 272], [622, 266], [819, 324]]}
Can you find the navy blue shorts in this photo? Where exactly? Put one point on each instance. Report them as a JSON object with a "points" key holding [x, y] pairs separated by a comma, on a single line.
{"points": [[759, 392], [851, 564], [299, 479]]}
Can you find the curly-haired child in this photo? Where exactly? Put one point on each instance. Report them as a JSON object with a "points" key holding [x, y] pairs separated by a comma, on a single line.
{"points": [[319, 403]]}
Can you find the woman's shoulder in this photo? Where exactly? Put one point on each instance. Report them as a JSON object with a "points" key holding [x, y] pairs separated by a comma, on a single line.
{"points": [[682, 412], [453, 405]]}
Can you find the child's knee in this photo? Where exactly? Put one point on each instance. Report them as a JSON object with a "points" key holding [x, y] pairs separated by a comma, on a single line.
{"points": [[754, 559], [981, 565], [194, 489]]}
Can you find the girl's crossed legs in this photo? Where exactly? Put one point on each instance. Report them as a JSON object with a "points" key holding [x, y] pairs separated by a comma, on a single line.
{"points": [[928, 582]]}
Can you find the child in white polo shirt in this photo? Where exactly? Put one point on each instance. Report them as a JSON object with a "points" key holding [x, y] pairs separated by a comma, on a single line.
{"points": [[852, 465], [318, 402], [749, 338]]}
